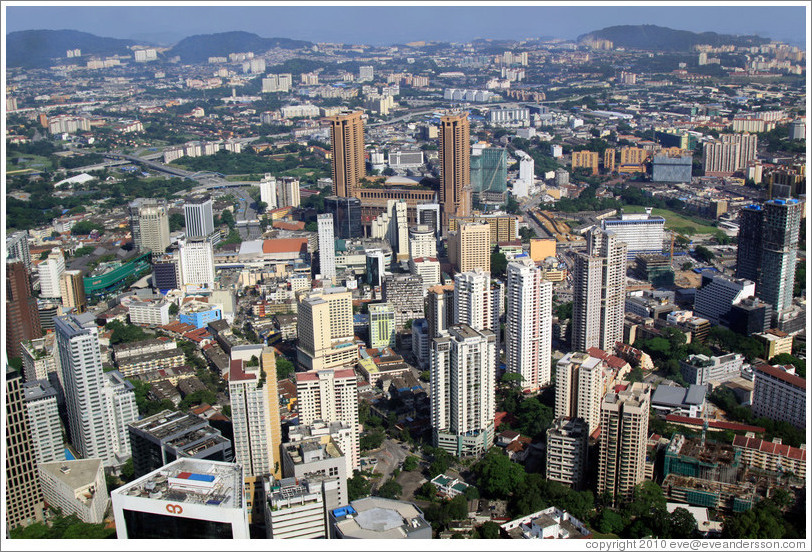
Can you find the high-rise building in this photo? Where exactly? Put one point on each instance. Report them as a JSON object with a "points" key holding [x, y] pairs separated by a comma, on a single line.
{"points": [[422, 242], [346, 213], [77, 487], [567, 451], [255, 415], [295, 509], [50, 271], [149, 223], [165, 273], [326, 332], [327, 252], [599, 292], [585, 159], [641, 232], [22, 315], [580, 384], [23, 500], [121, 410], [779, 394], [439, 310], [488, 170], [624, 433], [405, 293], [381, 325], [287, 192], [527, 175], [72, 288], [17, 248], [196, 263], [781, 227], [393, 226], [473, 301], [39, 358], [469, 247], [528, 324], [321, 461], [728, 154], [463, 390], [330, 396], [347, 137], [199, 217], [267, 192], [43, 421], [455, 166], [186, 499], [429, 214], [718, 293]]}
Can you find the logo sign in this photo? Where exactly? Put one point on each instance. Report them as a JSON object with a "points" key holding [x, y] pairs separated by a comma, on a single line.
{"points": [[174, 508]]}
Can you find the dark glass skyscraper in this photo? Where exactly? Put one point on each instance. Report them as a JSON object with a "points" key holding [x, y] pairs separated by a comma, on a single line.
{"points": [[346, 213]]}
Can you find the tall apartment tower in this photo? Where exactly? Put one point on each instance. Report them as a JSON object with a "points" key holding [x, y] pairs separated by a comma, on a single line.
{"points": [[381, 325], [72, 288], [469, 247], [729, 153], [83, 381], [473, 300], [624, 432], [255, 415], [439, 309], [50, 271], [347, 139], [199, 217], [782, 223], [599, 292], [580, 383], [149, 224], [43, 421], [330, 396], [23, 502], [463, 390], [326, 331], [196, 262], [327, 244], [267, 192], [567, 451], [22, 315], [528, 324], [17, 248], [455, 166]]}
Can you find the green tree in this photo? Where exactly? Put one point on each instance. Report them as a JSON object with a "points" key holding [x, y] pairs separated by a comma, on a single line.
{"points": [[489, 530], [440, 463], [372, 440], [427, 490], [680, 524], [390, 489], [761, 522], [173, 309], [284, 368], [497, 476], [85, 227], [610, 521], [786, 358], [410, 463], [458, 507], [176, 222], [357, 486], [564, 311], [498, 263], [703, 254], [425, 375]]}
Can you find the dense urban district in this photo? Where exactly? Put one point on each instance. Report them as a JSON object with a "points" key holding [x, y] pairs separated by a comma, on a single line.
{"points": [[265, 288]]}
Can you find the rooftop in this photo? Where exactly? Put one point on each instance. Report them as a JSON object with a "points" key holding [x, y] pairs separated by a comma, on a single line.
{"points": [[37, 390], [74, 473], [379, 518]]}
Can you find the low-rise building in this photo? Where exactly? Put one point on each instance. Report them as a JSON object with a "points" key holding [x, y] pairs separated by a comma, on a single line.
{"points": [[378, 518], [672, 399], [295, 509], [134, 365], [771, 456], [701, 369], [775, 342], [149, 312], [550, 523], [449, 486]]}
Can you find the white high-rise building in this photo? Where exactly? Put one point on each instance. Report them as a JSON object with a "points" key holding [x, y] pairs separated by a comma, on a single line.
{"points": [[528, 324], [267, 192], [463, 390], [330, 396], [83, 380], [50, 271], [199, 218], [567, 451], [599, 292], [287, 192], [473, 303], [327, 246], [196, 262], [43, 421], [580, 384], [149, 224], [326, 331], [422, 242], [366, 73], [527, 176], [17, 248], [119, 401]]}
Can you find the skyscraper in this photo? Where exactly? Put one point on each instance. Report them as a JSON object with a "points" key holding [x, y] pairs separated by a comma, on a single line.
{"points": [[50, 271], [473, 302], [267, 192], [579, 388], [748, 243], [17, 248], [22, 316], [782, 223], [624, 432], [567, 451], [528, 324], [381, 325], [199, 217], [488, 171], [149, 224], [455, 166], [469, 247], [599, 292], [120, 410], [346, 213], [23, 501], [463, 390], [43, 421], [196, 262], [439, 309], [347, 138], [72, 288], [326, 334], [327, 252]]}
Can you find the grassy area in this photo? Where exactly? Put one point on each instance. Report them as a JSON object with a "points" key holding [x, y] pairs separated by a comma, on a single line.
{"points": [[240, 178], [32, 162], [675, 221]]}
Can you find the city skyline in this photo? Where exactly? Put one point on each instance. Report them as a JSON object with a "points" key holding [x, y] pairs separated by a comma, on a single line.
{"points": [[384, 25]]}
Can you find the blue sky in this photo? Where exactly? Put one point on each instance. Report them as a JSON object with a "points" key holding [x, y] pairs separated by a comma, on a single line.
{"points": [[389, 24]]}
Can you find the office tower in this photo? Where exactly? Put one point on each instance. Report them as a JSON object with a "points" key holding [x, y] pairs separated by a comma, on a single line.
{"points": [[321, 461], [327, 252], [326, 334], [346, 213], [255, 415], [267, 192], [121, 410], [567, 451], [381, 325], [287, 192], [429, 214], [469, 247], [196, 263], [473, 302], [50, 271], [528, 324], [641, 232], [330, 396], [77, 487], [17, 248], [527, 175], [718, 293], [165, 273], [43, 421], [72, 288], [599, 292], [427, 269], [488, 171], [779, 394], [780, 230], [463, 390], [580, 384], [167, 436], [455, 166], [624, 432], [295, 509], [375, 267], [422, 242], [186, 499], [405, 293], [439, 310], [149, 224], [347, 139], [374, 517], [83, 381], [199, 217], [728, 154], [22, 315], [23, 502]]}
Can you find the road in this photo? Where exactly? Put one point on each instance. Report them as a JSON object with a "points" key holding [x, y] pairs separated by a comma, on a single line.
{"points": [[246, 212]]}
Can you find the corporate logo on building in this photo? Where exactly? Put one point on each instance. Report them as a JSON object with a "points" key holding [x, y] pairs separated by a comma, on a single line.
{"points": [[174, 508]]}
